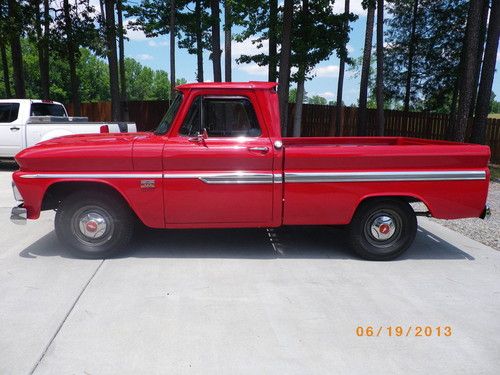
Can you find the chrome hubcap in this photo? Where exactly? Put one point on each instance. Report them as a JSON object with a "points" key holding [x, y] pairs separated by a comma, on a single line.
{"points": [[92, 225], [382, 227]]}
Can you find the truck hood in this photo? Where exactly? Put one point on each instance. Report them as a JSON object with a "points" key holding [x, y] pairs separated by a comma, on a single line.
{"points": [[81, 152]]}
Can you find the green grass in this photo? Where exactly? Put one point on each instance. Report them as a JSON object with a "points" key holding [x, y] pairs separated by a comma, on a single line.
{"points": [[495, 172], [494, 115]]}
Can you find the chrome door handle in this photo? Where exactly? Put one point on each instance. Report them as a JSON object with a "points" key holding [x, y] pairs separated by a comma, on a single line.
{"points": [[260, 149], [14, 128]]}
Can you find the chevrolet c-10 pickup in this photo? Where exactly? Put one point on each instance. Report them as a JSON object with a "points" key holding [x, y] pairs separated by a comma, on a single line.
{"points": [[218, 160]]}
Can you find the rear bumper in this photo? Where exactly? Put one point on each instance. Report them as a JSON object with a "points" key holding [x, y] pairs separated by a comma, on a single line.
{"points": [[486, 214], [19, 215]]}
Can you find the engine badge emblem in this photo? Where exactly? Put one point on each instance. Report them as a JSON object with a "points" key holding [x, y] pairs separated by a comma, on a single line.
{"points": [[148, 184]]}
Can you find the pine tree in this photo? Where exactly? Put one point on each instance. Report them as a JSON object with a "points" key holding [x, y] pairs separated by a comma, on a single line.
{"points": [[487, 74], [216, 51], [365, 70]]}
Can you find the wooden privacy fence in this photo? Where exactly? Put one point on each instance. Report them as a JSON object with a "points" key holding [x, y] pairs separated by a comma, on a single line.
{"points": [[146, 114], [317, 121]]}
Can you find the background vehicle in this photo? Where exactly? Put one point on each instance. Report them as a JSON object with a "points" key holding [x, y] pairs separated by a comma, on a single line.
{"points": [[25, 122], [217, 160]]}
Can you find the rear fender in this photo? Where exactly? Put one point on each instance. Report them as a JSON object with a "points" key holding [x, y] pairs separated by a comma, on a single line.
{"points": [[401, 196]]}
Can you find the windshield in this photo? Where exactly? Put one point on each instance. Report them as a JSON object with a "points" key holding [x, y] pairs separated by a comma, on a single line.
{"points": [[167, 120]]}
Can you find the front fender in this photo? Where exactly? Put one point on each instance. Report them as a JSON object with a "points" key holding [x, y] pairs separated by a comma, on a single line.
{"points": [[147, 203]]}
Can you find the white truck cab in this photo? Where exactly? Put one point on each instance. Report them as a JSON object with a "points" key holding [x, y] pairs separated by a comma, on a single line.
{"points": [[25, 122]]}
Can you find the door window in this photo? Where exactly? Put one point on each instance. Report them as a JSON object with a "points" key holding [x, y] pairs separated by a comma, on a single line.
{"points": [[9, 112], [221, 117]]}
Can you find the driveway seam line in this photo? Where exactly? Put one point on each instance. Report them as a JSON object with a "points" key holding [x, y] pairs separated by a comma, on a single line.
{"points": [[47, 347]]}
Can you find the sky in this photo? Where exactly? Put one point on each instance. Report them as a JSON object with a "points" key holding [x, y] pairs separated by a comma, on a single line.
{"points": [[154, 53]]}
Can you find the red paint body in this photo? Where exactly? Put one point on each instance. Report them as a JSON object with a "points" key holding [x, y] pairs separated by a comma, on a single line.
{"points": [[192, 203]]}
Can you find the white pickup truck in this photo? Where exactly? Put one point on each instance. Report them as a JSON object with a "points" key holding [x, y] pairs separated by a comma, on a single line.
{"points": [[25, 122]]}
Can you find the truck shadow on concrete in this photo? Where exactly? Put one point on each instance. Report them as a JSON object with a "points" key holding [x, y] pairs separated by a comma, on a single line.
{"points": [[8, 166], [289, 242]]}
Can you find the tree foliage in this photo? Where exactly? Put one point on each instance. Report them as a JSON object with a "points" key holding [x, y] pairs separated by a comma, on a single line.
{"points": [[317, 99], [439, 32], [144, 83], [317, 34]]}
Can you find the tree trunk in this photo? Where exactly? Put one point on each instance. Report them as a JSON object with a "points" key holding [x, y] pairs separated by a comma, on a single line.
{"points": [[379, 93], [172, 48], [228, 23], [365, 72], [39, 47], [40, 37], [5, 68], [216, 51], [199, 41], [467, 79], [450, 129], [487, 75], [297, 121], [103, 12], [15, 49], [411, 53], [340, 86], [301, 74], [284, 73], [273, 21], [112, 60], [71, 50], [121, 49], [480, 51], [44, 64]]}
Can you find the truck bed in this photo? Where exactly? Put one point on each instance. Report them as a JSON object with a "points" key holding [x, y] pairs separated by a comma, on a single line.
{"points": [[391, 153], [333, 174], [362, 141]]}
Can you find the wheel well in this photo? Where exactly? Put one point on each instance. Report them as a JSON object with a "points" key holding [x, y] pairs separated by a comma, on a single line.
{"points": [[418, 205], [56, 193]]}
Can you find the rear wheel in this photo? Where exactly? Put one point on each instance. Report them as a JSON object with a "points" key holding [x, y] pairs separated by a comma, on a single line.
{"points": [[382, 229], [94, 224]]}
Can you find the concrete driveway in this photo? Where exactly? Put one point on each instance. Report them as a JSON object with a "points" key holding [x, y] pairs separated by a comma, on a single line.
{"points": [[282, 301]]}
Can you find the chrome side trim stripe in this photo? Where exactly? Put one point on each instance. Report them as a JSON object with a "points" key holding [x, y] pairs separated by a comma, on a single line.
{"points": [[384, 176], [209, 178], [92, 175], [292, 177], [225, 178]]}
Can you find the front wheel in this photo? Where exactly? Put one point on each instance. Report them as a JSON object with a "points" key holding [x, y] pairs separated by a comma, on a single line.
{"points": [[93, 224], [382, 229]]}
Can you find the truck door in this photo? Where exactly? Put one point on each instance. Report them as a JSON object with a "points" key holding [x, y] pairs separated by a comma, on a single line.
{"points": [[11, 130], [218, 167]]}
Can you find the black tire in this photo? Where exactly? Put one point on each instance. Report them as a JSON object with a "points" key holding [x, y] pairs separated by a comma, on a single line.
{"points": [[94, 224], [382, 229]]}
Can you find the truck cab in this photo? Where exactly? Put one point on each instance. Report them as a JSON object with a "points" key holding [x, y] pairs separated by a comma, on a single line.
{"points": [[14, 114], [230, 141]]}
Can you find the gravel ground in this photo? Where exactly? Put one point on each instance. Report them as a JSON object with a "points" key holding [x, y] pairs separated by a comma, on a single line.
{"points": [[484, 231]]}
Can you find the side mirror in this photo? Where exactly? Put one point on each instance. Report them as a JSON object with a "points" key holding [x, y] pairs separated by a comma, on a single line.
{"points": [[199, 137]]}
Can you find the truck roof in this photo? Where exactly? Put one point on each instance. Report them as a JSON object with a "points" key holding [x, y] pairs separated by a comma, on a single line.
{"points": [[253, 85], [20, 101]]}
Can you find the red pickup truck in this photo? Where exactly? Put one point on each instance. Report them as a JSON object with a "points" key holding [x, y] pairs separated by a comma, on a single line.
{"points": [[218, 160]]}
